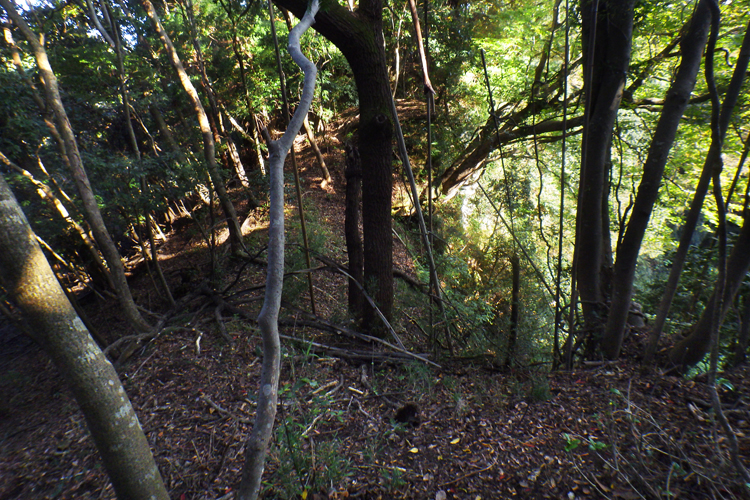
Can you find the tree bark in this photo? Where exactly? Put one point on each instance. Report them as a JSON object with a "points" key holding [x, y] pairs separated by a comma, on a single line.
{"points": [[93, 215], [209, 147], [743, 336], [359, 36], [27, 276], [678, 96], [607, 35], [713, 159], [257, 444], [351, 229]]}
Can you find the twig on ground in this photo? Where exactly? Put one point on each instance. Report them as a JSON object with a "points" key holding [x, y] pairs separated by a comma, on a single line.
{"points": [[229, 413]]}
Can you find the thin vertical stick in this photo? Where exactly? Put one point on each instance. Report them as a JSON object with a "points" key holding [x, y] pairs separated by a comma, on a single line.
{"points": [[430, 108], [558, 278]]}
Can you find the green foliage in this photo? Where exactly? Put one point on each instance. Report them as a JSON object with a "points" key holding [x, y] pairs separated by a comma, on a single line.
{"points": [[522, 180], [300, 463]]}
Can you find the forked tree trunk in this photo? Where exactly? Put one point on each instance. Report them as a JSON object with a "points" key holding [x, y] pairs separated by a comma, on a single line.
{"points": [[257, 445], [209, 147], [676, 101], [113, 424], [93, 215]]}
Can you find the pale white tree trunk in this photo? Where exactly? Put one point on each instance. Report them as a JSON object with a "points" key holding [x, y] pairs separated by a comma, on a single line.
{"points": [[257, 445]]}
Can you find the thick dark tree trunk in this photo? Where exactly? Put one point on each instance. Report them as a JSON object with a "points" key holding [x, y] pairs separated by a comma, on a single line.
{"points": [[694, 347], [351, 229], [359, 36], [676, 101], [607, 35]]}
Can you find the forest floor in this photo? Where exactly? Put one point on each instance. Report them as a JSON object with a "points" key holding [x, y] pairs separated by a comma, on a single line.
{"points": [[479, 430]]}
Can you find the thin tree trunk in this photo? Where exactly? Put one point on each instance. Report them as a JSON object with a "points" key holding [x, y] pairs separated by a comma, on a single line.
{"points": [[93, 214], [209, 148], [420, 46], [216, 118], [676, 101], [743, 336], [116, 42], [46, 193], [44, 110], [113, 424], [316, 150], [257, 444], [241, 63], [514, 309], [295, 166], [713, 159]]}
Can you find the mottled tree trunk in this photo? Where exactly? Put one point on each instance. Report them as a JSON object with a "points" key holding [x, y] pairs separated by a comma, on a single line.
{"points": [[27, 276]]}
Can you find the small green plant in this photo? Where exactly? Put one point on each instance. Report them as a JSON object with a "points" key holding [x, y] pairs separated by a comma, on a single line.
{"points": [[303, 464], [392, 478], [540, 389], [723, 383], [419, 377], [572, 442]]}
